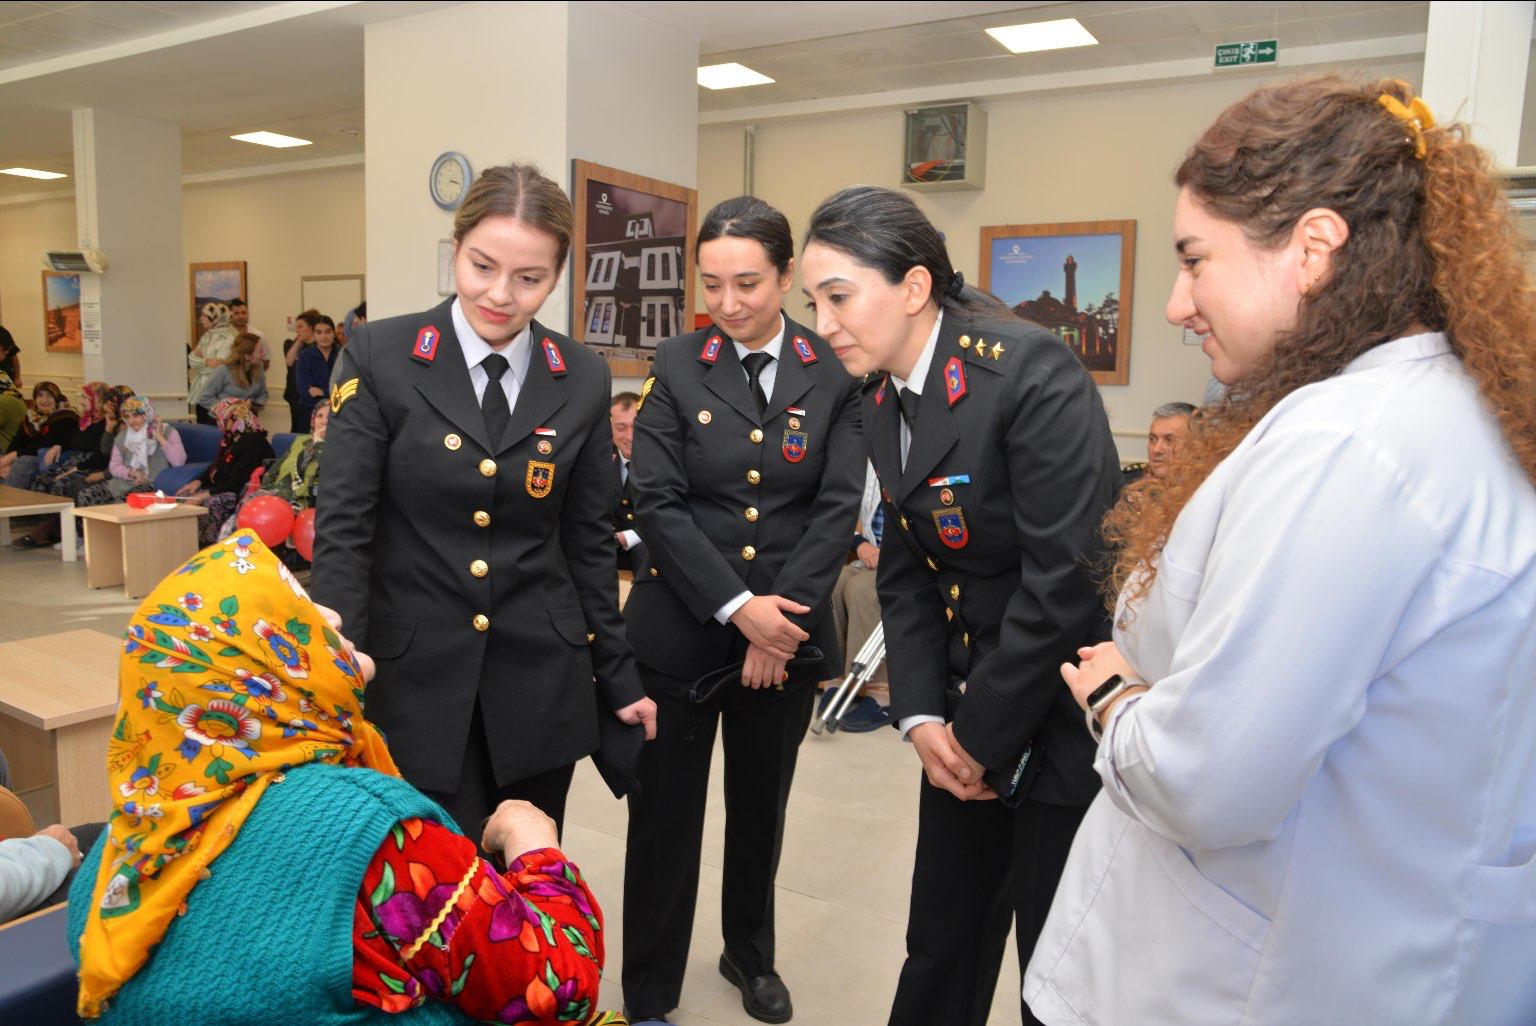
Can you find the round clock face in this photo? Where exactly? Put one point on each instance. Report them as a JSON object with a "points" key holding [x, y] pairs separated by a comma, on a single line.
{"points": [[450, 180]]}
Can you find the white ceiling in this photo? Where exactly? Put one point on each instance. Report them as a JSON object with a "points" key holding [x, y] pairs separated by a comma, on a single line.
{"points": [[220, 68], [958, 50]]}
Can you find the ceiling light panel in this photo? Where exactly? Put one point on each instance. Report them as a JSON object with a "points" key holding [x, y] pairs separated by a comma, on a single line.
{"points": [[273, 139], [1043, 35], [27, 172], [730, 76]]}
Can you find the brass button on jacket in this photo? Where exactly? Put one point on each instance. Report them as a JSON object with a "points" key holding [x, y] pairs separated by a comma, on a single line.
{"points": [[954, 592], [756, 436], [488, 468], [482, 622], [482, 518], [751, 514], [479, 568], [753, 477], [748, 553]]}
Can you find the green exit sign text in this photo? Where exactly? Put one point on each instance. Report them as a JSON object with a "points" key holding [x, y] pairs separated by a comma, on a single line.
{"points": [[1232, 55]]}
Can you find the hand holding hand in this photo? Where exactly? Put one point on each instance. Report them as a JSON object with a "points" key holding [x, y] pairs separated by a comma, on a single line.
{"points": [[53, 453], [761, 669], [869, 554], [761, 618], [643, 712], [943, 765], [516, 828]]}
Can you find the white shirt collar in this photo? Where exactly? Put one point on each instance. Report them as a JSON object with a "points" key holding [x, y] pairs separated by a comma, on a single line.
{"points": [[1402, 350], [924, 360], [773, 348], [476, 349]]}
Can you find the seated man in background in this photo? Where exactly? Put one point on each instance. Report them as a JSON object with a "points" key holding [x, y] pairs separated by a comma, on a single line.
{"points": [[621, 415], [856, 608], [1170, 426]]}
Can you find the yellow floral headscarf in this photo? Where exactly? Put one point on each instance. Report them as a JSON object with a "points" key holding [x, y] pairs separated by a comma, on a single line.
{"points": [[229, 676]]}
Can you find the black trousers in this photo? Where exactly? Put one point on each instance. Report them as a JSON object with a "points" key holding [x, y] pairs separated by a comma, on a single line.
{"points": [[980, 865], [478, 793], [666, 831]]}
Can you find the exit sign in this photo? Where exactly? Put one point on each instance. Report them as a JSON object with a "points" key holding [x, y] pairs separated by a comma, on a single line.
{"points": [[1232, 55]]}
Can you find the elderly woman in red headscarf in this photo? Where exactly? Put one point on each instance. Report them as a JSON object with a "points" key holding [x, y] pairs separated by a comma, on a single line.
{"points": [[264, 862], [243, 449]]}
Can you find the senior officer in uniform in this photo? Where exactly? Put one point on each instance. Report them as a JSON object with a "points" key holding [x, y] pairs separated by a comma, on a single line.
{"points": [[465, 537], [747, 474], [997, 466], [621, 415]]}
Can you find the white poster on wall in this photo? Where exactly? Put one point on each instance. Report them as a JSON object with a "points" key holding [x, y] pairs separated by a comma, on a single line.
{"points": [[90, 314]]}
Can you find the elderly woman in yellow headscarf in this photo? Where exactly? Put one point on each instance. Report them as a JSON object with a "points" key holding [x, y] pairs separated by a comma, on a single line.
{"points": [[265, 863]]}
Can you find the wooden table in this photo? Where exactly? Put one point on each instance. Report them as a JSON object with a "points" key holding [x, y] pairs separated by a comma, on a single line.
{"points": [[17, 502], [137, 547], [58, 697]]}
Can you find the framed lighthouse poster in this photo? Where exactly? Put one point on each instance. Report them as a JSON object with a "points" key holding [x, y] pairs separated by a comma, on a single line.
{"points": [[1072, 279]]}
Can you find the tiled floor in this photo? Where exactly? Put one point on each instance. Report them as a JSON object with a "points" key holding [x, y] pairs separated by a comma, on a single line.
{"points": [[843, 881]]}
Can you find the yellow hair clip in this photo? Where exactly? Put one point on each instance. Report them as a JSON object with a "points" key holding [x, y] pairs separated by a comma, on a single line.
{"points": [[1415, 115]]}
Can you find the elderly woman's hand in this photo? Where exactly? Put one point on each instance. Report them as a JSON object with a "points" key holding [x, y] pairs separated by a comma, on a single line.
{"points": [[1098, 664], [516, 828], [364, 660]]}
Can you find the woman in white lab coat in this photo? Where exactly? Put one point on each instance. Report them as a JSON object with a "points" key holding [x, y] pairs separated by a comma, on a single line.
{"points": [[1318, 712]]}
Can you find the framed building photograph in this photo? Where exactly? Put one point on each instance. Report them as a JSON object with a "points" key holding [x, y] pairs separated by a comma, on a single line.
{"points": [[632, 269], [1073, 279], [213, 283], [61, 311]]}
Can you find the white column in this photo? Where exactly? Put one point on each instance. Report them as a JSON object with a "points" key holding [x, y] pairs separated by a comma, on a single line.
{"points": [[1475, 64], [497, 82], [128, 205]]}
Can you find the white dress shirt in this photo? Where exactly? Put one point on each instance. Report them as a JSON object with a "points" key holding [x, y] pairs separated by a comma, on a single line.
{"points": [[766, 379], [476, 349], [1324, 810], [915, 384]]}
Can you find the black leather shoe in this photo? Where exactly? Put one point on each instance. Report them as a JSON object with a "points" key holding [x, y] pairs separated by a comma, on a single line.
{"points": [[765, 998]]}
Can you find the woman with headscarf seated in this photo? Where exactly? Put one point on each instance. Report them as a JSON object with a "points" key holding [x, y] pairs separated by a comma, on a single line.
{"points": [[243, 448], [295, 479], [143, 446], [49, 422], [264, 862]]}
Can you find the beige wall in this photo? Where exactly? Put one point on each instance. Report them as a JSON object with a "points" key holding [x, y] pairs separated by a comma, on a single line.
{"points": [[1086, 156], [283, 226]]}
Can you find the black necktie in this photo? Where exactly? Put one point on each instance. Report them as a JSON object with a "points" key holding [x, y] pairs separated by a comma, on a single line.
{"points": [[756, 363], [909, 402], [494, 403]]}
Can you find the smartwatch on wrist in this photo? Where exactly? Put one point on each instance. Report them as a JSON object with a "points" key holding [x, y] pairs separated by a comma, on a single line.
{"points": [[1102, 698]]}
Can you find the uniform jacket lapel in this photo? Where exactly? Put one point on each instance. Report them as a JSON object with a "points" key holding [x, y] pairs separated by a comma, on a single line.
{"points": [[541, 395], [885, 431], [792, 380], [445, 381], [935, 434], [727, 378]]}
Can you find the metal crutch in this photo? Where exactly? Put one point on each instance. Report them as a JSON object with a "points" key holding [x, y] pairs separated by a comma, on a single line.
{"points": [[868, 659]]}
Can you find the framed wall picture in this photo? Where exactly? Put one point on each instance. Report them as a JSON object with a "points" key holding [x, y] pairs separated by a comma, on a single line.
{"points": [[61, 311], [1073, 279], [213, 283], [632, 269]]}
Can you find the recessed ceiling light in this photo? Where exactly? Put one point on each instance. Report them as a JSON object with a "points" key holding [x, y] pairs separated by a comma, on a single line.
{"points": [[27, 172], [1043, 35], [274, 139], [730, 76]]}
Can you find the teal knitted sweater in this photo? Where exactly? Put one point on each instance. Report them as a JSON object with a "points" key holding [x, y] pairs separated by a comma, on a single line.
{"points": [[268, 937]]}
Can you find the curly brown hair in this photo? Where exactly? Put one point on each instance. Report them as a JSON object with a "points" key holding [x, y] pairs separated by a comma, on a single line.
{"points": [[1432, 244]]}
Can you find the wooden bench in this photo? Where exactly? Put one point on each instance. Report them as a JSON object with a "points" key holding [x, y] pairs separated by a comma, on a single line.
{"points": [[137, 547], [17, 502], [58, 697]]}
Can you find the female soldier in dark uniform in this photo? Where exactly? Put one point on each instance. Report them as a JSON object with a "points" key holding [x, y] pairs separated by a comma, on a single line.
{"points": [[748, 467], [996, 462], [465, 535]]}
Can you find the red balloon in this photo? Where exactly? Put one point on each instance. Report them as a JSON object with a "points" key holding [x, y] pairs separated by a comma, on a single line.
{"points": [[269, 516], [303, 536]]}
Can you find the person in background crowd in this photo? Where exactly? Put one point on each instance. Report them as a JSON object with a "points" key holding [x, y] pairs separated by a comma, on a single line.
{"points": [[312, 370], [621, 417], [66, 465], [465, 532], [293, 348], [240, 320], [746, 477], [295, 479], [210, 353], [242, 376], [1316, 723], [997, 464], [1165, 436], [856, 606], [355, 318], [10, 357], [13, 411], [243, 449], [144, 446], [49, 423], [277, 810]]}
